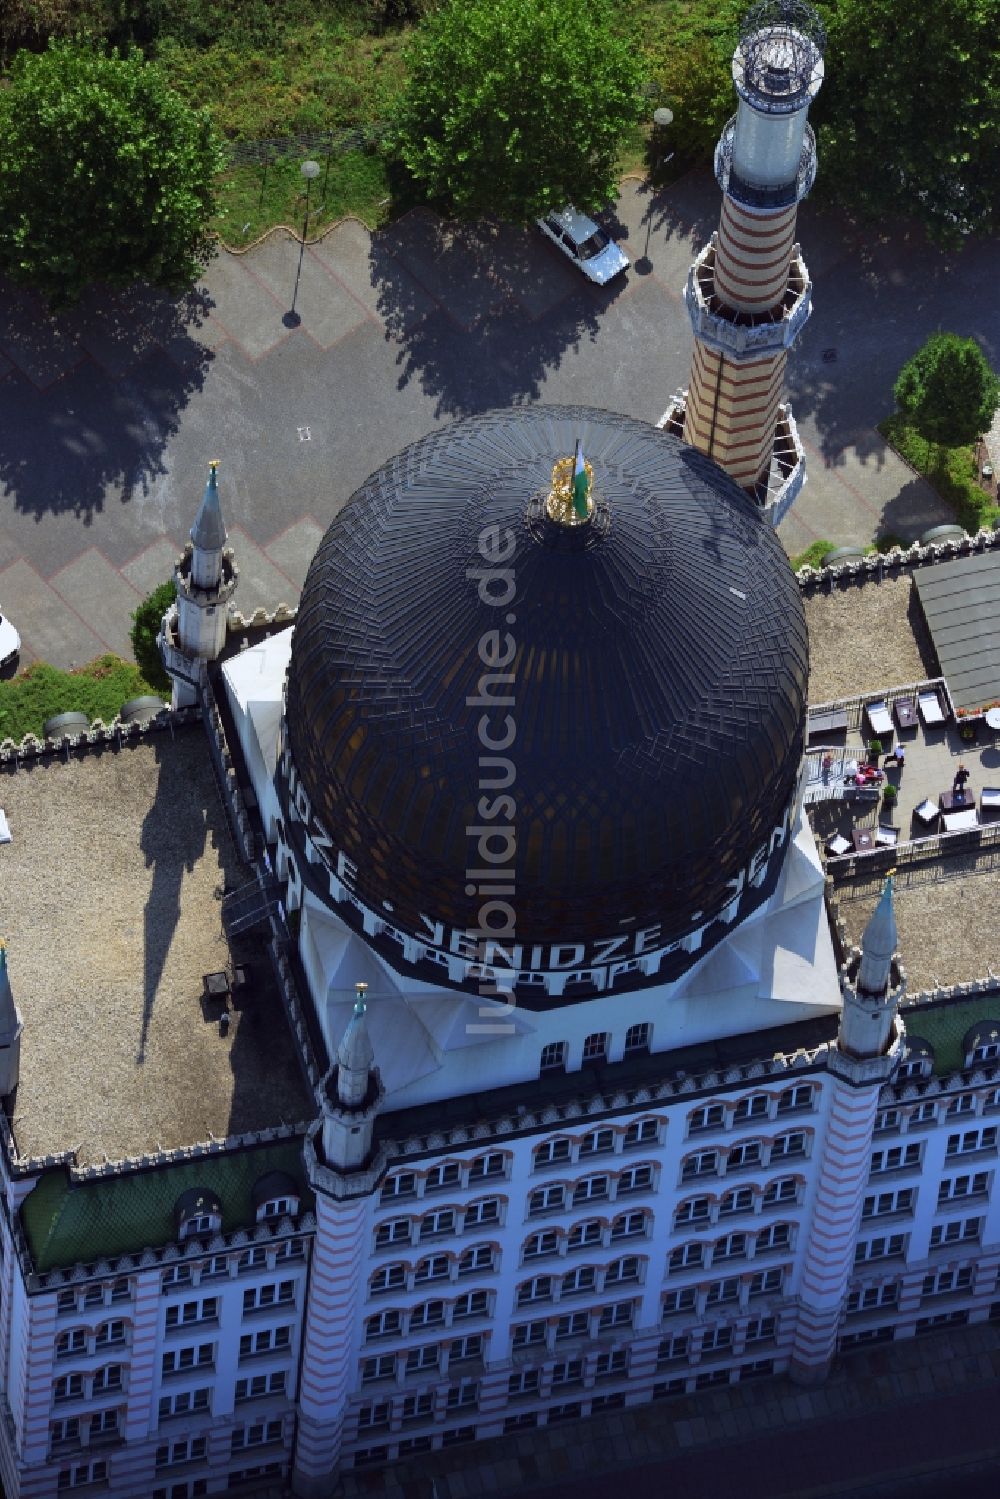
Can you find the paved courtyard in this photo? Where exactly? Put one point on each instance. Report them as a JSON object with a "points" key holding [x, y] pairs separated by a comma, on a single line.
{"points": [[108, 415]]}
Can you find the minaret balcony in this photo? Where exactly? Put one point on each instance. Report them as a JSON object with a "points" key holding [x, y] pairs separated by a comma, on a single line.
{"points": [[742, 337], [787, 471], [752, 196]]}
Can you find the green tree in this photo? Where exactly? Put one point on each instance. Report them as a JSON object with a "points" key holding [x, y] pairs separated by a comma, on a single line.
{"points": [[145, 627], [689, 55], [948, 391], [514, 107], [105, 174], [909, 115]]}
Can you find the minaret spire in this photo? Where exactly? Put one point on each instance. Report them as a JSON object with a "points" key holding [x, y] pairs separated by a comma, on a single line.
{"points": [[208, 534], [748, 292], [193, 631], [355, 1056], [878, 946]]}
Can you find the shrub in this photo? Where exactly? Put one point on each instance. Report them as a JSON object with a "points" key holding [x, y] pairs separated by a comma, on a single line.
{"points": [[145, 627], [41, 691]]}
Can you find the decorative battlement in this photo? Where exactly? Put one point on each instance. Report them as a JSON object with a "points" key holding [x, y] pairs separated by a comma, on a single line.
{"points": [[99, 736], [873, 568], [206, 595], [742, 339]]}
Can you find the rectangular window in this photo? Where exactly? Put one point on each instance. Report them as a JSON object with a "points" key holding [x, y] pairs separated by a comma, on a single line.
{"points": [[595, 1047], [427, 1314], [738, 1201], [752, 1108], [434, 1267], [591, 1189], [433, 1225], [948, 1282], [417, 1407], [620, 1272], [794, 1100], [523, 1383], [551, 1151], [635, 1179], [965, 1103], [611, 1365], [469, 1347], [573, 1325], [568, 1372], [488, 1167], [546, 1199], [955, 1188], [761, 1330], [871, 1298], [185, 1314], [537, 1289], [767, 1282], [924, 1113], [972, 1140], [478, 1214], [276, 1293], [403, 1184], [716, 1339], [448, 1174], [671, 1351], [463, 1395], [253, 1388], [395, 1231], [420, 1360], [383, 1325], [694, 1210], [553, 1057], [732, 1247], [746, 1153], [886, 1120], [543, 1243], [721, 1291], [581, 1235], [895, 1158], [775, 1236], [372, 1369], [885, 1204], [784, 1189], [370, 1418], [678, 1301], [476, 1259], [959, 1231], [628, 1226], [619, 1315], [598, 1142], [709, 1116], [685, 1257], [642, 1132], [180, 1360], [702, 1163], [637, 1039], [472, 1304], [529, 1335], [888, 1247], [785, 1146]]}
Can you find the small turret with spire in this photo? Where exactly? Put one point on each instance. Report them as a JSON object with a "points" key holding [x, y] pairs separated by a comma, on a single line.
{"points": [[354, 1094], [11, 1026], [872, 985], [193, 631]]}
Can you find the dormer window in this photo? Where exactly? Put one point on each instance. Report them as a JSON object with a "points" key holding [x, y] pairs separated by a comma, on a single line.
{"points": [[918, 1060], [982, 1043], [276, 1195], [198, 1214]]}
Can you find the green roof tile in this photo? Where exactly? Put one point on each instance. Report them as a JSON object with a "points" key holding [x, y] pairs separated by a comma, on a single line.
{"points": [[68, 1223], [943, 1026]]}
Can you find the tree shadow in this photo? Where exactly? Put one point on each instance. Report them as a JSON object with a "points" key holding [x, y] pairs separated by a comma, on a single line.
{"points": [[94, 394], [481, 313]]}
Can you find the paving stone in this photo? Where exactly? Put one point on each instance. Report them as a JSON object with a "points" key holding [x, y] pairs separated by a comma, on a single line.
{"points": [[294, 549], [366, 266], [327, 310], [154, 565], [245, 308], [49, 627], [261, 584], [102, 596]]}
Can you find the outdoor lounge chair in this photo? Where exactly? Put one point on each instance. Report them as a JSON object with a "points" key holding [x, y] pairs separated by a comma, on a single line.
{"points": [[880, 719], [887, 836], [929, 708]]}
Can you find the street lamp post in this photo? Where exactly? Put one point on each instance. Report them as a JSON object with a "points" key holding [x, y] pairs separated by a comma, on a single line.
{"points": [[310, 171]]}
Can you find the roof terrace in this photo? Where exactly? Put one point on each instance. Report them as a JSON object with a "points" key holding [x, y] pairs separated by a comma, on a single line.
{"points": [[110, 898]]}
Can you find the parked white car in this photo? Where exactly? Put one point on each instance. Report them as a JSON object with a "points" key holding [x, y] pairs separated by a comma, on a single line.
{"points": [[10, 642], [585, 243]]}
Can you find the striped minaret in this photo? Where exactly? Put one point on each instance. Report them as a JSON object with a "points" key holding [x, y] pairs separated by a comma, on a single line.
{"points": [[748, 292], [868, 1047], [345, 1166]]}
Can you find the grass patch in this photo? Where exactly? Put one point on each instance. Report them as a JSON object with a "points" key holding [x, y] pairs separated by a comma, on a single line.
{"points": [[950, 471], [254, 198], [813, 555], [98, 689]]}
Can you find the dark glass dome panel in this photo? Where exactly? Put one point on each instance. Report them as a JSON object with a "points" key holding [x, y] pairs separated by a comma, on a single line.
{"points": [[659, 679]]}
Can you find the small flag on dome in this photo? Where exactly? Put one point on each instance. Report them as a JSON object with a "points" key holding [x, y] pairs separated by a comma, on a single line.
{"points": [[581, 485]]}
